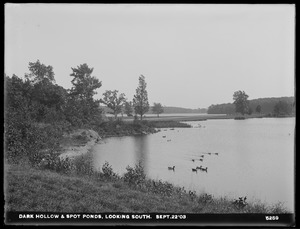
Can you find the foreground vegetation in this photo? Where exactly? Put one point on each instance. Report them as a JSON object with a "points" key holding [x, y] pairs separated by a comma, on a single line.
{"points": [[32, 189]]}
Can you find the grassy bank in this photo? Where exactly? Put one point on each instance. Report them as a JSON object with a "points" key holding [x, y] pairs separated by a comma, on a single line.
{"points": [[31, 189], [135, 127]]}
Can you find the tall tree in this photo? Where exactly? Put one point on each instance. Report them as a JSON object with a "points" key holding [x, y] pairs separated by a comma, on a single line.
{"points": [[114, 101], [44, 95], [241, 102], [81, 104], [128, 108], [40, 72], [84, 84], [157, 109], [140, 100]]}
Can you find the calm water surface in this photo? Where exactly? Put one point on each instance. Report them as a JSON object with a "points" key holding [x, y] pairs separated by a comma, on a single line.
{"points": [[255, 157]]}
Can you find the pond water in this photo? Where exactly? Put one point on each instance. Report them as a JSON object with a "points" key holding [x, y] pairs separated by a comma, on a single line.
{"points": [[252, 157]]}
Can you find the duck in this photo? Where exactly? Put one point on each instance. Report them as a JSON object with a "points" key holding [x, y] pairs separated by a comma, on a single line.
{"points": [[204, 169], [199, 167], [172, 168], [194, 170], [193, 160], [200, 159]]}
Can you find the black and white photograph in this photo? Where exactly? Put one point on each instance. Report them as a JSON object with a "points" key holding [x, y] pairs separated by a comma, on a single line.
{"points": [[149, 114]]}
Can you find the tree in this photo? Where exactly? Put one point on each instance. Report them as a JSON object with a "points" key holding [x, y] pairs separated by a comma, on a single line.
{"points": [[241, 102], [46, 97], [258, 109], [128, 108], [225, 108], [84, 84], [40, 72], [282, 108], [140, 100], [114, 101], [157, 109], [81, 107]]}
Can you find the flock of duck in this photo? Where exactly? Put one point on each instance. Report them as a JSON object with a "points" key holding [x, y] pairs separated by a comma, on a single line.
{"points": [[201, 168]]}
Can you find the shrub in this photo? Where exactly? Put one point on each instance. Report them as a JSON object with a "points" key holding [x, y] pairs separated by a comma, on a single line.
{"points": [[53, 162], [108, 171], [24, 139], [136, 175], [205, 198], [82, 165], [160, 187]]}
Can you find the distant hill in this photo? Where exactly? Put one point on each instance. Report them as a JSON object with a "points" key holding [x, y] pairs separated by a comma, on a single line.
{"points": [[267, 105]]}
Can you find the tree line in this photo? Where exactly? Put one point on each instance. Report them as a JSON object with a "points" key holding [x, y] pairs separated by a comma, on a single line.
{"points": [[48, 101], [37, 101], [268, 106]]}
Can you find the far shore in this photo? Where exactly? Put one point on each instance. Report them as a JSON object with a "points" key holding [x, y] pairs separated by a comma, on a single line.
{"points": [[200, 117]]}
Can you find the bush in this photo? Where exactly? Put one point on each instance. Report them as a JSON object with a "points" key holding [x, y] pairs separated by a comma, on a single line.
{"points": [[160, 187], [24, 139], [54, 162], [136, 175], [15, 145], [108, 171]]}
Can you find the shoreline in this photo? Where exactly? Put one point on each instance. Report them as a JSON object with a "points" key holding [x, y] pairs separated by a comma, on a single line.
{"points": [[71, 148], [103, 192], [202, 117], [80, 141]]}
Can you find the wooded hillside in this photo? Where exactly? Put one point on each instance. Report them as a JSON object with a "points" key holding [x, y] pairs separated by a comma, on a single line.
{"points": [[267, 105]]}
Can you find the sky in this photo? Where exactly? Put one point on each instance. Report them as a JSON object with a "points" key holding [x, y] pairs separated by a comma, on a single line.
{"points": [[192, 55]]}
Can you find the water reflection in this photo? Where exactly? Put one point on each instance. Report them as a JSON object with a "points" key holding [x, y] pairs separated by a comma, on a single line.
{"points": [[141, 151]]}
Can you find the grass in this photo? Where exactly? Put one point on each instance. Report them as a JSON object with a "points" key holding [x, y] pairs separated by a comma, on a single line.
{"points": [[31, 189], [122, 127], [168, 124]]}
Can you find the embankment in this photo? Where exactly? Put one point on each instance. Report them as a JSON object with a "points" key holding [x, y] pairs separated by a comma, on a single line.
{"points": [[78, 142], [28, 189]]}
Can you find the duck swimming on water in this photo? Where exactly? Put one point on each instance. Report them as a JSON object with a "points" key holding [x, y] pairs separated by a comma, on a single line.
{"points": [[172, 168]]}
